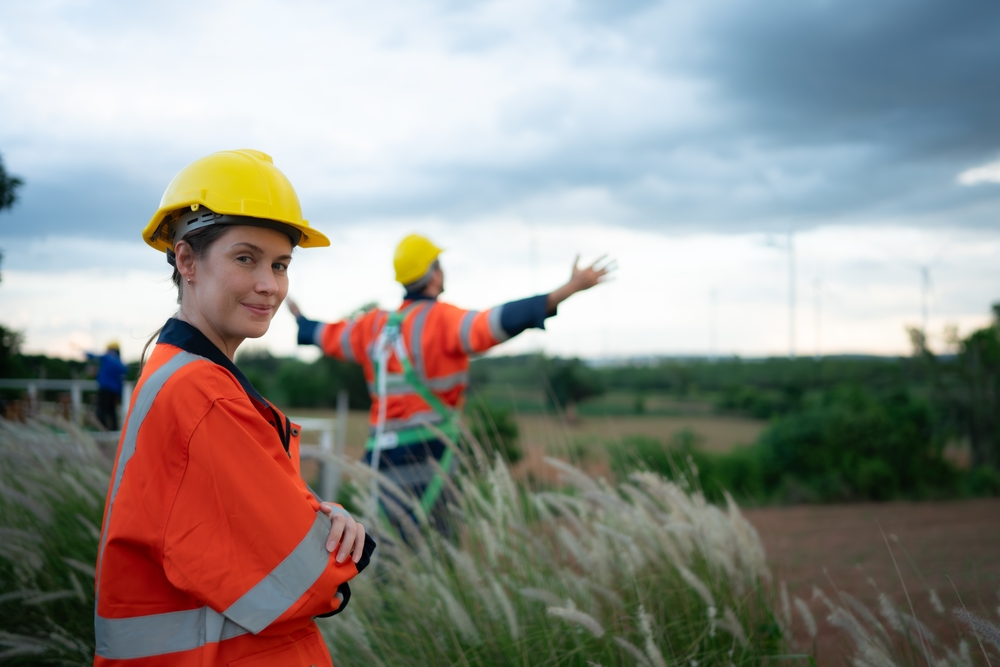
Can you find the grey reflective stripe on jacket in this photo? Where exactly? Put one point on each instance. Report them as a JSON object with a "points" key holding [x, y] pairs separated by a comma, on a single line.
{"points": [[345, 342], [416, 343], [496, 329], [170, 632], [465, 331], [396, 384]]}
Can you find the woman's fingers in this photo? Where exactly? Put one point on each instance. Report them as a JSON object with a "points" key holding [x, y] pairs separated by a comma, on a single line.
{"points": [[338, 524], [347, 542], [346, 532], [359, 543]]}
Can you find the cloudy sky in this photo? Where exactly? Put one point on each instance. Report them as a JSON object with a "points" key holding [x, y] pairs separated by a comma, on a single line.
{"points": [[689, 140]]}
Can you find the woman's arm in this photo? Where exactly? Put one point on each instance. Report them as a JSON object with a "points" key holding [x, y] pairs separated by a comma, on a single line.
{"points": [[245, 536]]}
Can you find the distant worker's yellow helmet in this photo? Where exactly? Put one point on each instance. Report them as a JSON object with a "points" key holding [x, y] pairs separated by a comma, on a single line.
{"points": [[414, 256], [241, 186], [113, 345]]}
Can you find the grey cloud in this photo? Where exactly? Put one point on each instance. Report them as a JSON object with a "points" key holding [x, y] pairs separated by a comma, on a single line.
{"points": [[815, 111], [99, 203]]}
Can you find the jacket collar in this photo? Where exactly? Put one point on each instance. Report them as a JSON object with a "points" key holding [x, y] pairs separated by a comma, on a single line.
{"points": [[188, 338], [418, 296]]}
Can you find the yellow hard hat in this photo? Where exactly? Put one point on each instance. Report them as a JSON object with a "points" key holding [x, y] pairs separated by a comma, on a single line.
{"points": [[242, 183], [414, 256], [113, 345]]}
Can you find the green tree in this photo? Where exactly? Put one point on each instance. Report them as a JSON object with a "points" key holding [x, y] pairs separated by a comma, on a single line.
{"points": [[971, 392], [10, 340], [570, 381], [8, 187]]}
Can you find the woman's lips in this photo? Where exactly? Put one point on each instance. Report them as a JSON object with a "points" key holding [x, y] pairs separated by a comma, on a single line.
{"points": [[258, 309]]}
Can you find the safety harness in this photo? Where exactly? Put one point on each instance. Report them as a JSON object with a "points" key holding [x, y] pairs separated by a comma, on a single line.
{"points": [[389, 341]]}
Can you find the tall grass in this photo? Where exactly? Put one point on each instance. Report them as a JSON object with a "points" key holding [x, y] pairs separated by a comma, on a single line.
{"points": [[642, 572], [53, 479]]}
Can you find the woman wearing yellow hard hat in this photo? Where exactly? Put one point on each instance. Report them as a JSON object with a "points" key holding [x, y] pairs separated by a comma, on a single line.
{"points": [[213, 550]]}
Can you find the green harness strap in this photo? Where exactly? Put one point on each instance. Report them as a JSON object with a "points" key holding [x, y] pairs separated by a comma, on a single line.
{"points": [[421, 434]]}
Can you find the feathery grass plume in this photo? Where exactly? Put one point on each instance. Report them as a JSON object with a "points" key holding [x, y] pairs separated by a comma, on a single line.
{"points": [[935, 601], [652, 650], [700, 588], [571, 615], [807, 617], [980, 626], [551, 599], [890, 613], [457, 613], [633, 651], [786, 609], [508, 609], [731, 624]]}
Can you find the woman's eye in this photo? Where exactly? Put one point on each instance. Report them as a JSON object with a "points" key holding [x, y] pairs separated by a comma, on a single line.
{"points": [[278, 266], [244, 259]]}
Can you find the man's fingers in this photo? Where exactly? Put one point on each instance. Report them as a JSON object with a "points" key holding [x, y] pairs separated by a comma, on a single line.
{"points": [[337, 524], [598, 260], [359, 543], [347, 543]]}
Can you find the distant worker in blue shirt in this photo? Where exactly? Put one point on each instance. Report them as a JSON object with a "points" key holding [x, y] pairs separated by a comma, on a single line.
{"points": [[110, 374]]}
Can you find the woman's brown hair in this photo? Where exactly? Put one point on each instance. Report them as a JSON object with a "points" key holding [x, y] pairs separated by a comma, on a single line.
{"points": [[200, 240]]}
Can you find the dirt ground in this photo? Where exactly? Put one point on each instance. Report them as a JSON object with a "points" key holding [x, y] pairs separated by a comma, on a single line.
{"points": [[951, 547], [717, 433]]}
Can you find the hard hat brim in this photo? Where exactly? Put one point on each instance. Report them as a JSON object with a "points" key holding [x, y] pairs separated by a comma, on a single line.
{"points": [[311, 237]]}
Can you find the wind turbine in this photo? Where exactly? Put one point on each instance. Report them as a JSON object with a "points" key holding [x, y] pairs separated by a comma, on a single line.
{"points": [[788, 246]]}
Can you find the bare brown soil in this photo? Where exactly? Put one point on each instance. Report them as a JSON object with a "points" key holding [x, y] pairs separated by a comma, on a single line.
{"points": [[951, 547], [717, 433]]}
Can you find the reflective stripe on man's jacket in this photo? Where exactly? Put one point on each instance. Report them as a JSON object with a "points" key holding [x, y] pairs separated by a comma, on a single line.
{"points": [[213, 549], [439, 338]]}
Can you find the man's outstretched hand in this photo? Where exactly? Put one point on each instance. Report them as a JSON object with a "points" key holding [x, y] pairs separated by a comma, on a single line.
{"points": [[585, 278], [294, 307], [581, 279]]}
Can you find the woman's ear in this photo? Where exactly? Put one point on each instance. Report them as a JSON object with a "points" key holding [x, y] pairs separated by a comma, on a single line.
{"points": [[184, 258]]}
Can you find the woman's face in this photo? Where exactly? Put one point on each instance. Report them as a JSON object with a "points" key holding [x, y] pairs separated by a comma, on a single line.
{"points": [[237, 286]]}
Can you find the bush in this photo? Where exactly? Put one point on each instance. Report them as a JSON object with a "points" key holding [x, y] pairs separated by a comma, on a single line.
{"points": [[846, 445]]}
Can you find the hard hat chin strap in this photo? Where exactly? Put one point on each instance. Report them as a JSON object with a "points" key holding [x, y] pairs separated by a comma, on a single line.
{"points": [[191, 220]]}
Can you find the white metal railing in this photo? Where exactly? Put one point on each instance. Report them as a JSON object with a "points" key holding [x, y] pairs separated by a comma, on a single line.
{"points": [[332, 431], [332, 437], [75, 388]]}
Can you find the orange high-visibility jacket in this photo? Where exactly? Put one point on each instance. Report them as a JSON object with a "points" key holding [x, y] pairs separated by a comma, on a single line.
{"points": [[213, 549], [439, 339]]}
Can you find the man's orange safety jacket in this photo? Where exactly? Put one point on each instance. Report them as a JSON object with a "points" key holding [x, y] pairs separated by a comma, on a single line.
{"points": [[439, 338], [213, 549]]}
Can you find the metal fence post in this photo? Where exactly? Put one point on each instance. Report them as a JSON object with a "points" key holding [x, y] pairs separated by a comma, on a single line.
{"points": [[76, 400], [126, 400]]}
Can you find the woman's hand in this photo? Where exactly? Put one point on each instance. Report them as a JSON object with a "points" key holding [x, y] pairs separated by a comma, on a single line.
{"points": [[345, 531]]}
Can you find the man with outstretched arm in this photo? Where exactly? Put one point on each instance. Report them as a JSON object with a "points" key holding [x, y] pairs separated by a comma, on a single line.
{"points": [[416, 360]]}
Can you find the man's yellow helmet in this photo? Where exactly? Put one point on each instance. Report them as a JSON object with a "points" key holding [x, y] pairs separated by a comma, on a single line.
{"points": [[231, 184], [413, 258]]}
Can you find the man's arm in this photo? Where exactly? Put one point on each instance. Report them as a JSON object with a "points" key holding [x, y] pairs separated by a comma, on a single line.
{"points": [[579, 280], [476, 332], [340, 340]]}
